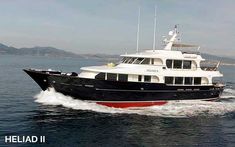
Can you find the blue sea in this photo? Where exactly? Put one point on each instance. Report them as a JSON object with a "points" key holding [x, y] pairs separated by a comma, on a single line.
{"points": [[26, 110]]}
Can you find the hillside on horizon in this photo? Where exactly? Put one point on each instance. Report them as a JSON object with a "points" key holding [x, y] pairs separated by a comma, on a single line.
{"points": [[54, 52]]}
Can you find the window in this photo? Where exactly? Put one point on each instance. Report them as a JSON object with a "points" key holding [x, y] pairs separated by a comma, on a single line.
{"points": [[126, 60], [152, 61], [147, 78], [169, 63], [123, 60], [169, 80], [146, 61], [138, 60], [188, 80], [122, 77], [100, 76], [111, 77], [197, 80], [178, 80], [177, 64], [187, 64], [131, 60], [139, 78]]}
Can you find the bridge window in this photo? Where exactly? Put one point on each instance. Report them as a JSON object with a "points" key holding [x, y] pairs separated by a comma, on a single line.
{"points": [[197, 80], [111, 77], [169, 80], [138, 60], [122, 77], [147, 78], [131, 60], [169, 63], [126, 59], [187, 64], [178, 80], [177, 64], [145, 61], [100, 76], [188, 80]]}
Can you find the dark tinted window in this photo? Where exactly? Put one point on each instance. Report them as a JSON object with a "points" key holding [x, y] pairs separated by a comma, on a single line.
{"points": [[147, 78], [146, 61], [122, 77], [178, 80], [169, 80], [123, 59], [139, 78], [187, 64], [177, 64], [197, 80], [188, 80], [126, 60], [100, 76], [169, 63], [131, 60], [111, 77], [138, 60]]}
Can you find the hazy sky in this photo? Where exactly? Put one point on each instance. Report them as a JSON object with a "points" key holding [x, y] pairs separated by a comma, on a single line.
{"points": [[109, 26]]}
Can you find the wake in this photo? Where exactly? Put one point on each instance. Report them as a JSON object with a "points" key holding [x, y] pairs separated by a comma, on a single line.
{"points": [[172, 109]]}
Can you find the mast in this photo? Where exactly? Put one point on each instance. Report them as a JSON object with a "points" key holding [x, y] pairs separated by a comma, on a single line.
{"points": [[170, 42], [138, 32], [154, 28]]}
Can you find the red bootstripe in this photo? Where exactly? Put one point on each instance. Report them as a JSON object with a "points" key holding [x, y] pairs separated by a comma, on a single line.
{"points": [[130, 104]]}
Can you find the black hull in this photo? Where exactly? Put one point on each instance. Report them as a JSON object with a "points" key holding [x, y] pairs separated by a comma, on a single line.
{"points": [[115, 91]]}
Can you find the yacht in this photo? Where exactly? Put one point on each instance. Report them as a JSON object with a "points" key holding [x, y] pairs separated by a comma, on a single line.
{"points": [[147, 78]]}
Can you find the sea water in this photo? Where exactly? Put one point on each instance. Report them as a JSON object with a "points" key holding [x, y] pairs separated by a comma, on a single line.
{"points": [[25, 110]]}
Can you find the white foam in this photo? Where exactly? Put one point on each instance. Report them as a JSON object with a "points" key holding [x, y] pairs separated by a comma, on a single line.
{"points": [[172, 109], [228, 93]]}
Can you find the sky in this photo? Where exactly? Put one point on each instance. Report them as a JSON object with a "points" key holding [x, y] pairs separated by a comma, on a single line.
{"points": [[110, 26]]}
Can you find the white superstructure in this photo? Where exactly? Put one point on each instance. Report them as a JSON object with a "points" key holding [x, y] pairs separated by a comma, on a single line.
{"points": [[173, 67]]}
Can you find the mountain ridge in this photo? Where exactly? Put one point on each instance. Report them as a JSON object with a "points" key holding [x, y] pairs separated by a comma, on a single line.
{"points": [[54, 52]]}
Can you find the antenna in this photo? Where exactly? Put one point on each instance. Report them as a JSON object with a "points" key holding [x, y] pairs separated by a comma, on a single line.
{"points": [[138, 32], [154, 28]]}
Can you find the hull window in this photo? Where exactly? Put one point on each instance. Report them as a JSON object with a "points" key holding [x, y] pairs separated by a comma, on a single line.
{"points": [[111, 77], [147, 78], [100, 76], [178, 80], [122, 77], [139, 78], [169, 80], [197, 80], [188, 81]]}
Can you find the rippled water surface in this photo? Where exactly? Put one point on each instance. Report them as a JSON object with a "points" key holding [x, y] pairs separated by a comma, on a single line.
{"points": [[26, 110]]}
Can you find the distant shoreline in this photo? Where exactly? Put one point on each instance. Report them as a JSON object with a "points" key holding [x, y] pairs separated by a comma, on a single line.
{"points": [[59, 53]]}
